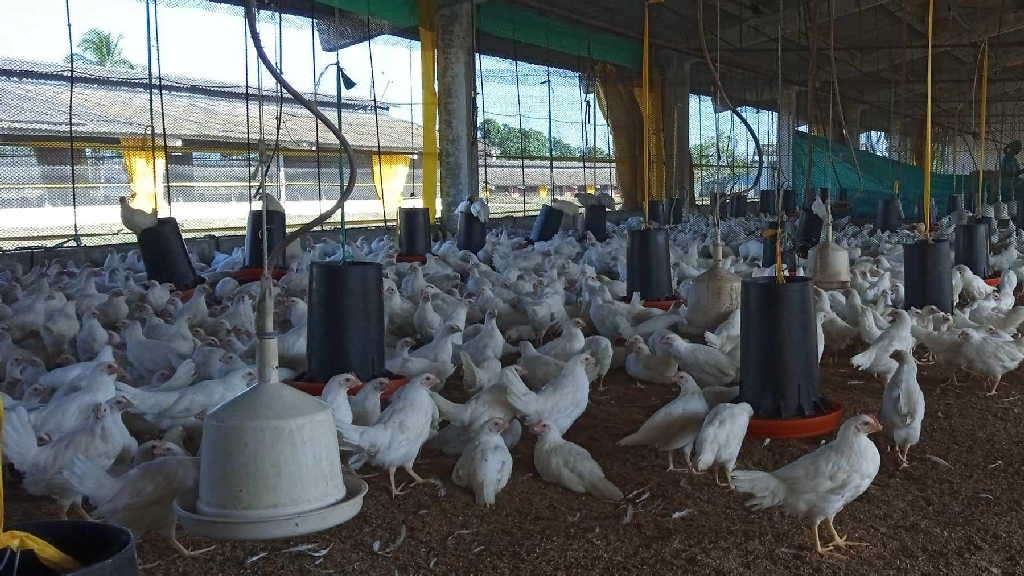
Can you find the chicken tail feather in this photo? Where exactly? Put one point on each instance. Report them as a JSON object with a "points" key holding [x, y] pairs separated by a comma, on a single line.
{"points": [[766, 489]]}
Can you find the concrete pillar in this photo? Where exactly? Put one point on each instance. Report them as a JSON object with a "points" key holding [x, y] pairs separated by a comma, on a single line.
{"points": [[455, 82], [676, 114], [787, 123]]}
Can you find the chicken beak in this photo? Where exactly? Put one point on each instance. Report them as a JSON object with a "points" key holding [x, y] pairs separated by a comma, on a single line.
{"points": [[876, 425]]}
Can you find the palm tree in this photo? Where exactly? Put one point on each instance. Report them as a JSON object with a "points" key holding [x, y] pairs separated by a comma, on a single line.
{"points": [[101, 48]]}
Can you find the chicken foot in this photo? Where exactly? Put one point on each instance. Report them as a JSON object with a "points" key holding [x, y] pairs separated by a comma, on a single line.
{"points": [[181, 548], [840, 541], [823, 550], [417, 479], [995, 384], [728, 478]]}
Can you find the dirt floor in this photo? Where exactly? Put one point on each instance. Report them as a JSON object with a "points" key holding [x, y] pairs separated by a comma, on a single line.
{"points": [[931, 518]]}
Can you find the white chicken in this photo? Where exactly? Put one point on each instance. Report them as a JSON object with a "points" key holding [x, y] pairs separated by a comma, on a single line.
{"points": [[643, 365], [817, 486], [876, 359], [569, 465], [395, 440], [485, 465], [675, 425], [560, 403], [903, 406], [708, 366], [721, 438], [142, 498]]}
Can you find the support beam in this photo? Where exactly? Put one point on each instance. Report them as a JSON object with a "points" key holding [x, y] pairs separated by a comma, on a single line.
{"points": [[456, 132], [676, 116]]}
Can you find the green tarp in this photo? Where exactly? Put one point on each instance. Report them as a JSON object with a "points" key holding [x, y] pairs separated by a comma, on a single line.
{"points": [[834, 169], [516, 23]]}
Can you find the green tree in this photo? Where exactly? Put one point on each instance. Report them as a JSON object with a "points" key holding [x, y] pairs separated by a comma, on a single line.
{"points": [[512, 141], [101, 48], [708, 166]]}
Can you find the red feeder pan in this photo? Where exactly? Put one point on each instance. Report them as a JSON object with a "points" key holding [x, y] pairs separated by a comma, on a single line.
{"points": [[419, 259], [246, 275], [317, 388], [992, 281], [788, 428], [659, 304]]}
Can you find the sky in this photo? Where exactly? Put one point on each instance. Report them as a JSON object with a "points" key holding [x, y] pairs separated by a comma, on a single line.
{"points": [[207, 41]]}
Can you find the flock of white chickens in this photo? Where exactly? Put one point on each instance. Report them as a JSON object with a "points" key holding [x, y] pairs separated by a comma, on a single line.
{"points": [[107, 376]]}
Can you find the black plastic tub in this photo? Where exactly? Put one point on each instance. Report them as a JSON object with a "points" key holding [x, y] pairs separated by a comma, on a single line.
{"points": [[767, 201], [346, 320], [165, 256], [101, 549], [547, 224], [955, 203], [928, 275], [648, 266], [676, 204], [656, 211], [888, 217], [808, 231], [413, 231], [788, 201], [971, 247], [276, 231], [595, 221], [768, 254], [779, 352], [472, 233], [738, 206]]}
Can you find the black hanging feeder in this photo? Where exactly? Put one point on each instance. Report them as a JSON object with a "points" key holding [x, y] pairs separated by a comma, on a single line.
{"points": [[165, 256], [779, 360], [788, 201], [955, 204], [767, 202], [928, 274], [547, 224], [345, 332], [656, 212], [595, 221], [971, 247], [648, 265], [472, 232], [888, 217], [413, 234], [738, 206], [100, 549], [276, 232], [676, 205], [768, 252]]}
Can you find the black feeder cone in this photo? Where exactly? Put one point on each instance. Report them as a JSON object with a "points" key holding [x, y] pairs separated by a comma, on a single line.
{"points": [[928, 274], [254, 237], [165, 256], [413, 231], [808, 231], [738, 206], [888, 217], [766, 203], [547, 224], [595, 221], [971, 247], [100, 549], [648, 267], [346, 320], [656, 211], [472, 232], [1020, 214], [788, 201], [779, 357], [955, 204], [675, 210]]}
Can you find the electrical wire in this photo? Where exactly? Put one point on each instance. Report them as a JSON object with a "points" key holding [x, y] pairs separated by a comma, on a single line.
{"points": [[163, 116]]}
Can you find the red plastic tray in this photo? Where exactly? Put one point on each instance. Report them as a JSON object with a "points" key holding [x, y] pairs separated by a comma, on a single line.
{"points": [[785, 428]]}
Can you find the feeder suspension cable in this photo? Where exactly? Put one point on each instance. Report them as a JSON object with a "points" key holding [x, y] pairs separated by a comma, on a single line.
{"points": [[248, 126], [316, 125], [71, 124], [928, 132], [163, 115], [983, 126], [376, 121], [721, 90], [839, 98], [152, 113], [780, 278], [250, 16]]}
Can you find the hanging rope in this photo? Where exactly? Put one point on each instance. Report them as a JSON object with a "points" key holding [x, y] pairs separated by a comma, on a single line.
{"points": [[983, 126], [163, 116], [71, 125], [250, 14], [780, 278], [928, 132], [645, 76], [376, 119], [519, 115], [316, 125], [839, 99], [152, 112], [248, 125]]}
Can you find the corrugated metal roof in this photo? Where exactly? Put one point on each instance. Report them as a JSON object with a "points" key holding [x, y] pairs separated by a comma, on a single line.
{"points": [[116, 103]]}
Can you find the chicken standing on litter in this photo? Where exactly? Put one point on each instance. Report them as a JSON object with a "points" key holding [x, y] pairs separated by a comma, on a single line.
{"points": [[674, 426], [486, 464], [817, 486], [903, 406]]}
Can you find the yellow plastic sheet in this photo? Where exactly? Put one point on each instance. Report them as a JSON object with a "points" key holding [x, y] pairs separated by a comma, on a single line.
{"points": [[22, 541]]}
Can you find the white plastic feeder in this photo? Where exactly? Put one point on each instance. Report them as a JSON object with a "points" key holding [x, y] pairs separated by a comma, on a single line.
{"points": [[716, 294], [270, 465], [829, 263]]}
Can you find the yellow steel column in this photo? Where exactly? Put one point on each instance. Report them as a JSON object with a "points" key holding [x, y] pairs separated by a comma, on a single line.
{"points": [[428, 42]]}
